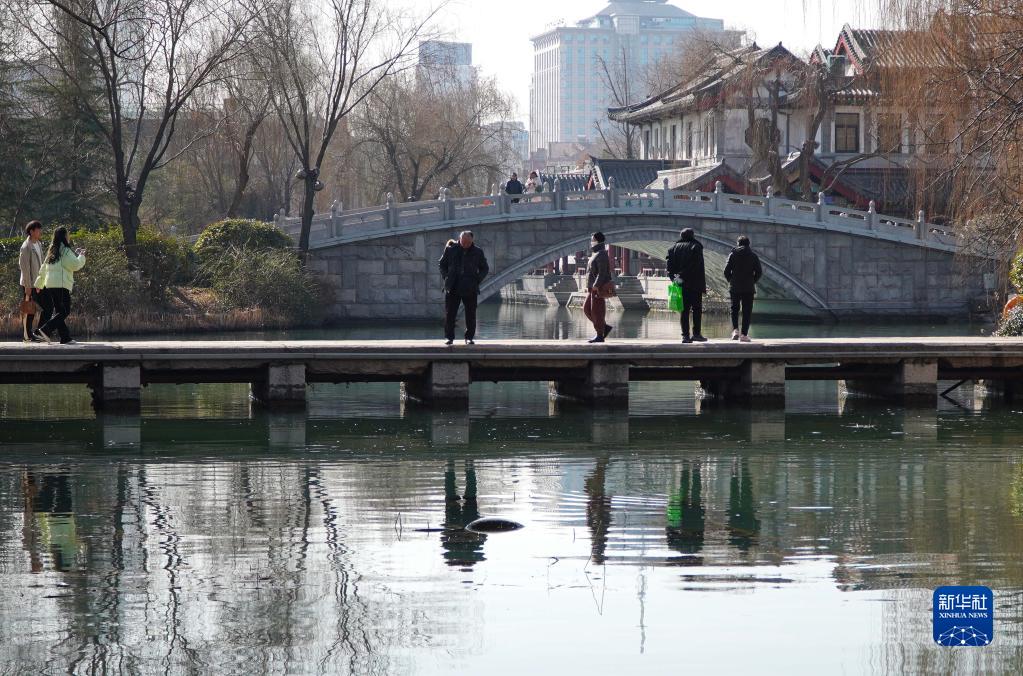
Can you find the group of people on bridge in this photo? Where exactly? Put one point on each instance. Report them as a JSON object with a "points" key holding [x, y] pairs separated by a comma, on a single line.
{"points": [[464, 266]]}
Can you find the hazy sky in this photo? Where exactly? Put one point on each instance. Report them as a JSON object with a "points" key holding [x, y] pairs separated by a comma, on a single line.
{"points": [[500, 31]]}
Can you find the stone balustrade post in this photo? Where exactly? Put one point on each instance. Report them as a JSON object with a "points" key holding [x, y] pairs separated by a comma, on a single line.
{"points": [[556, 196], [612, 193], [819, 209], [664, 194], [767, 202], [335, 208], [503, 200], [718, 190], [871, 215], [921, 225], [448, 207], [391, 218]]}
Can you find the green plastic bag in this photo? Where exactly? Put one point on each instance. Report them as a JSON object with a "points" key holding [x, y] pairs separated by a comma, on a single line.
{"points": [[675, 297]]}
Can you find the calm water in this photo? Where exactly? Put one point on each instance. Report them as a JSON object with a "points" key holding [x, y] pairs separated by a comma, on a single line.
{"points": [[207, 537]]}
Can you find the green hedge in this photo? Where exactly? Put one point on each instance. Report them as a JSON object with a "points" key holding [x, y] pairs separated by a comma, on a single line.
{"points": [[237, 233], [273, 281], [108, 282]]}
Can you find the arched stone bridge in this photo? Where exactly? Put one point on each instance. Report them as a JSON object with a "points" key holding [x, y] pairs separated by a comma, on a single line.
{"points": [[838, 262]]}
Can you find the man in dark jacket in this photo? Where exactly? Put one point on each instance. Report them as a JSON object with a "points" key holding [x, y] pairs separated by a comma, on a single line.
{"points": [[463, 267], [513, 186], [742, 271], [598, 283], [685, 265]]}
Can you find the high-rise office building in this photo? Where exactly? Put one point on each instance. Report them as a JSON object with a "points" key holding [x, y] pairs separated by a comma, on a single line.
{"points": [[441, 61], [568, 92]]}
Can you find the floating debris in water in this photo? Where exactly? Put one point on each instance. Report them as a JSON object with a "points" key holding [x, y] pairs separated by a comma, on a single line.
{"points": [[492, 524]]}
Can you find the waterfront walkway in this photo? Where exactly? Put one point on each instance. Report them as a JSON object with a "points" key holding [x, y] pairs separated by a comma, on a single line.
{"points": [[278, 371]]}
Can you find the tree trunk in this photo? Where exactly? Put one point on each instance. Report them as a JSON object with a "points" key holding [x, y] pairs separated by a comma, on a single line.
{"points": [[307, 214], [244, 159], [129, 217]]}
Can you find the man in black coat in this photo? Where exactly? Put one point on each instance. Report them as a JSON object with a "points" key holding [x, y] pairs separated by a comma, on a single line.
{"points": [[742, 271], [513, 186], [463, 267], [685, 265]]}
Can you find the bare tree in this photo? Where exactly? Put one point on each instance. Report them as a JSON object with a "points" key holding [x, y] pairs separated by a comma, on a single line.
{"points": [[322, 60], [146, 59], [957, 74], [457, 135], [620, 139]]}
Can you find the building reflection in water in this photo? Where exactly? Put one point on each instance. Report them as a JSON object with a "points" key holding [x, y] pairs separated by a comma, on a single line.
{"points": [[743, 525], [49, 532], [461, 547], [686, 515]]}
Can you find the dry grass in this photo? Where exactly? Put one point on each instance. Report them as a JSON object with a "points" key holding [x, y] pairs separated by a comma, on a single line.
{"points": [[190, 311]]}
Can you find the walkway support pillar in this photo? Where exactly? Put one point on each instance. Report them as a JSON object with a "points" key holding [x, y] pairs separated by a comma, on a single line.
{"points": [[760, 381], [909, 380], [603, 382], [443, 382], [282, 386], [119, 387]]}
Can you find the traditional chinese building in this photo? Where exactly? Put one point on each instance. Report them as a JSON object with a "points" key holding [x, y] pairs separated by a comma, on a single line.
{"points": [[865, 148]]}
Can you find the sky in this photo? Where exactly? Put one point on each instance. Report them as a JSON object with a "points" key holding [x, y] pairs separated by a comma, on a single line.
{"points": [[500, 31]]}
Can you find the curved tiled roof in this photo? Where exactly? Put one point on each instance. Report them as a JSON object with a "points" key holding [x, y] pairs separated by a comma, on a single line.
{"points": [[721, 69]]}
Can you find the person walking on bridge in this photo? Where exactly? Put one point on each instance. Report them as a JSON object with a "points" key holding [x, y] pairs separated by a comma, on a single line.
{"points": [[742, 271], [57, 279], [599, 287], [30, 259], [513, 186], [685, 266], [463, 267]]}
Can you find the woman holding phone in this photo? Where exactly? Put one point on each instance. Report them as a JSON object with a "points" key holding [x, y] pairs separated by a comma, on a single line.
{"points": [[57, 279]]}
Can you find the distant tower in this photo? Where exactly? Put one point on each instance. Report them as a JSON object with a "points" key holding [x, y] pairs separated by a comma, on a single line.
{"points": [[567, 94]]}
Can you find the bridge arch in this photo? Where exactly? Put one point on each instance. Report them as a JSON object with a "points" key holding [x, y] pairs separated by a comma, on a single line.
{"points": [[773, 271]]}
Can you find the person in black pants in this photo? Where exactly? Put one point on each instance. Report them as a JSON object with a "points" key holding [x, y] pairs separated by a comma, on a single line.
{"points": [[463, 267], [685, 265], [742, 271]]}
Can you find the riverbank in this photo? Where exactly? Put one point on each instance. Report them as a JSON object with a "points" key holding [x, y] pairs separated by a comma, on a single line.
{"points": [[189, 310]]}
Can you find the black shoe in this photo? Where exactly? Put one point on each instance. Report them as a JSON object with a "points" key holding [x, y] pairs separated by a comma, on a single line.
{"points": [[596, 339], [686, 340], [699, 339], [470, 341], [41, 335], [69, 342], [449, 341], [607, 330]]}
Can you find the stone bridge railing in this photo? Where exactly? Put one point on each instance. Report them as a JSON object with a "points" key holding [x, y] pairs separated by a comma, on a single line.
{"points": [[340, 226]]}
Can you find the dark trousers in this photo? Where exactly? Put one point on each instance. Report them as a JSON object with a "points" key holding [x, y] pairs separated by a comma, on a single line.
{"points": [[452, 299], [742, 302], [57, 301], [29, 320], [692, 302], [595, 309]]}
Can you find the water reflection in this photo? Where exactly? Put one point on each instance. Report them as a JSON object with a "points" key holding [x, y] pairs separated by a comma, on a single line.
{"points": [[686, 513], [743, 525], [461, 547], [206, 536]]}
